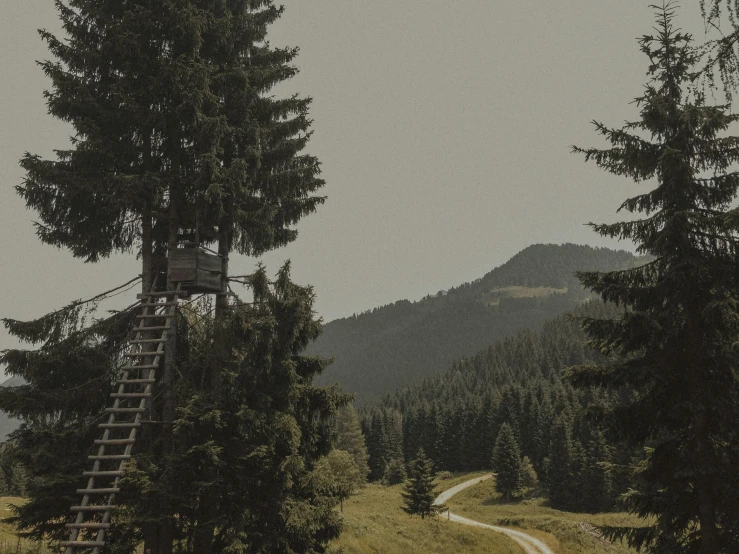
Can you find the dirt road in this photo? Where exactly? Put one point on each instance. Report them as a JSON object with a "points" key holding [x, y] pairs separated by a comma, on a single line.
{"points": [[530, 545]]}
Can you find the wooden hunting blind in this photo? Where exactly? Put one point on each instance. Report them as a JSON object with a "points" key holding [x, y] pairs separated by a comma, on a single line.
{"points": [[196, 269]]}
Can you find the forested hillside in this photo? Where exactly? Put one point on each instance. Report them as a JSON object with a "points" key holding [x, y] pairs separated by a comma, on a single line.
{"points": [[387, 348], [456, 416]]}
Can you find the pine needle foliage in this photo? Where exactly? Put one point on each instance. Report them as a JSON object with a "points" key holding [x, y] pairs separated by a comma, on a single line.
{"points": [[349, 438], [171, 110], [721, 53], [67, 382], [673, 357], [507, 463], [176, 133], [419, 493], [261, 432]]}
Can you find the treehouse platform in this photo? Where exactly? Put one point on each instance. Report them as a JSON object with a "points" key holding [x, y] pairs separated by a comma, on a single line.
{"points": [[196, 269]]}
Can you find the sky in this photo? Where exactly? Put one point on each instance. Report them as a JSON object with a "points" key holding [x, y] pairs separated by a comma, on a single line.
{"points": [[444, 130]]}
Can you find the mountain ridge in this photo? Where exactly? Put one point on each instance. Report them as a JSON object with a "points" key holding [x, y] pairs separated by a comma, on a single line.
{"points": [[398, 344]]}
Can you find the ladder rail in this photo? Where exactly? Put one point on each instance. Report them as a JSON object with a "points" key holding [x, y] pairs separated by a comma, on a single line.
{"points": [[139, 371]]}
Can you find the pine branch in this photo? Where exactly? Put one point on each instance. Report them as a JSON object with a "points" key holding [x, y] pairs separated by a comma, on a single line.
{"points": [[54, 325]]}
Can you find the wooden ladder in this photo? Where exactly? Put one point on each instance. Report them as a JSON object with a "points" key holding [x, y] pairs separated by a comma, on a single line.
{"points": [[119, 436]]}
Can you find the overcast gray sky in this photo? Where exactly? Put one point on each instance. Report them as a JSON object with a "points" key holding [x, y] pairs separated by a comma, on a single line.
{"points": [[444, 130]]}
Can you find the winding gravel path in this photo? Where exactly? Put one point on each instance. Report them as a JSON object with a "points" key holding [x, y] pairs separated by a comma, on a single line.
{"points": [[530, 545]]}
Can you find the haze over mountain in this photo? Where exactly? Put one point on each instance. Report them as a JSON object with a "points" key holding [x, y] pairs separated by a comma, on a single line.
{"points": [[387, 348]]}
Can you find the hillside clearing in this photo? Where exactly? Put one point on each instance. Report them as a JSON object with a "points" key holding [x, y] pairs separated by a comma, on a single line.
{"points": [[375, 523], [494, 296], [565, 532]]}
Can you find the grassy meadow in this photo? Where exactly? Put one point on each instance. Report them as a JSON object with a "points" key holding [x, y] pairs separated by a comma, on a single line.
{"points": [[9, 542], [374, 523], [564, 532]]}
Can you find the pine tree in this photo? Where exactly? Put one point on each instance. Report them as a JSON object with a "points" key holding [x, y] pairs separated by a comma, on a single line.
{"points": [[392, 437], [395, 472], [529, 478], [349, 438], [595, 478], [176, 136], [507, 463], [171, 120], [373, 430], [266, 428], [673, 347], [560, 480], [419, 493]]}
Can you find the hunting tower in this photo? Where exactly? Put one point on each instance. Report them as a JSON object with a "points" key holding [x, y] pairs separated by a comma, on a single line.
{"points": [[189, 268]]}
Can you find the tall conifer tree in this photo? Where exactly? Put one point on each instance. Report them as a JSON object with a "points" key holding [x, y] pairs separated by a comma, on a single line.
{"points": [[507, 463], [349, 437], [419, 493], [560, 480], [674, 346], [175, 134]]}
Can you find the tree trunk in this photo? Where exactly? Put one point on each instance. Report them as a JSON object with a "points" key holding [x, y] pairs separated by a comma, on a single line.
{"points": [[150, 530], [147, 247], [203, 537], [147, 254], [704, 486], [151, 538], [166, 528], [224, 247]]}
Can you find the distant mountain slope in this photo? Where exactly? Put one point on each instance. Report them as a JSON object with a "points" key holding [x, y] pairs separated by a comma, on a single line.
{"points": [[399, 344]]}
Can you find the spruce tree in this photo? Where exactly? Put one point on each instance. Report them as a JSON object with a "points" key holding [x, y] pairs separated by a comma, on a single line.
{"points": [[529, 478], [507, 463], [266, 429], [349, 438], [395, 472], [672, 350], [176, 136], [419, 493], [560, 480], [373, 430], [595, 478]]}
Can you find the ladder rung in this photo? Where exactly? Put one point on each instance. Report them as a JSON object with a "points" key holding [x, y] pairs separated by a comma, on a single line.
{"points": [[96, 508], [153, 316], [162, 293], [114, 441], [130, 394], [145, 366], [152, 328], [105, 457], [98, 491], [136, 381], [143, 341], [88, 525], [102, 473], [124, 410], [118, 425], [89, 544]]}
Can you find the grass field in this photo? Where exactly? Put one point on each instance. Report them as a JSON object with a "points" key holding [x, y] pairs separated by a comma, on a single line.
{"points": [[493, 297], [9, 542], [374, 523], [562, 531]]}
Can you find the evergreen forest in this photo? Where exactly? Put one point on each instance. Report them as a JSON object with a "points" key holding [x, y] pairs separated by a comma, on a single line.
{"points": [[456, 417]]}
